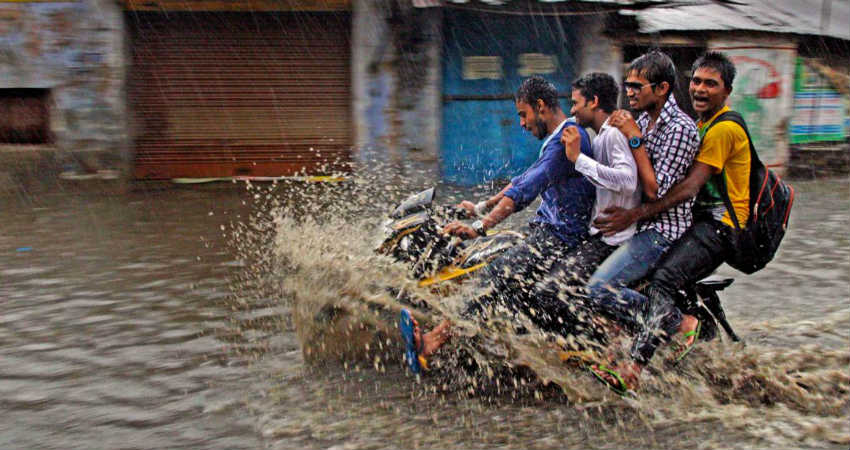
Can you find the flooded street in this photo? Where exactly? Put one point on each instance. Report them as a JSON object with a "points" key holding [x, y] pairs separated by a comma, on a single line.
{"points": [[111, 305], [157, 319]]}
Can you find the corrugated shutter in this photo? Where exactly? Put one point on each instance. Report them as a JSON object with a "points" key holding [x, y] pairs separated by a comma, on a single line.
{"points": [[227, 93]]}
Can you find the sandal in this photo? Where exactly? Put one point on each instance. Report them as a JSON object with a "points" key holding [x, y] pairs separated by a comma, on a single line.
{"points": [[412, 353], [683, 348], [621, 388]]}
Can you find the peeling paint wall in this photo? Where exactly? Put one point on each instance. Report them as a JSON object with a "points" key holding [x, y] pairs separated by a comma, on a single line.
{"points": [[763, 91], [75, 49], [397, 87]]}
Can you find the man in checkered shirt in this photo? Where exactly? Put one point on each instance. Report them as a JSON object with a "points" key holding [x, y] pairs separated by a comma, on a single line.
{"points": [[669, 137]]}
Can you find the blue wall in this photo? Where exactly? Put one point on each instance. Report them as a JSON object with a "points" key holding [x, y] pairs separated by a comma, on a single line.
{"points": [[481, 136]]}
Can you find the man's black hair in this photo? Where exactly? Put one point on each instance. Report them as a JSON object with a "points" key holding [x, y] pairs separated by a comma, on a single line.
{"points": [[599, 85], [719, 62], [535, 88], [656, 67]]}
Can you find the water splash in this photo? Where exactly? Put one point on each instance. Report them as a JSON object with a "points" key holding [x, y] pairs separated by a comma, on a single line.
{"points": [[788, 386]]}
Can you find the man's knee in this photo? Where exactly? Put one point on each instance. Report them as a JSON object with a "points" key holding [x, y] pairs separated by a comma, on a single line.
{"points": [[668, 279]]}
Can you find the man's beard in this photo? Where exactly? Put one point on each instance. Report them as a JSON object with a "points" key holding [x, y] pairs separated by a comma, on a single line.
{"points": [[540, 130], [651, 106]]}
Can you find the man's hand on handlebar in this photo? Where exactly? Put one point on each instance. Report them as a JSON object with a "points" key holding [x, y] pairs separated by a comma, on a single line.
{"points": [[469, 207], [460, 230]]}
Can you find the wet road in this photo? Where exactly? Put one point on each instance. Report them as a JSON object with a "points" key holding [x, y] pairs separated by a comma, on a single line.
{"points": [[132, 320]]}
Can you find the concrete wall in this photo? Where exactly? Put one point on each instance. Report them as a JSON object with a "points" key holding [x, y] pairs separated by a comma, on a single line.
{"points": [[815, 160], [76, 50], [597, 51], [396, 87], [763, 91]]}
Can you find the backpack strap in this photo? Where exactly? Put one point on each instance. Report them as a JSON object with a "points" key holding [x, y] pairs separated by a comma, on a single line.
{"points": [[734, 116]]}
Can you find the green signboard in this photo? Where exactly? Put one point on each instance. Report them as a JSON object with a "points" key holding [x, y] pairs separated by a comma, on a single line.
{"points": [[820, 111]]}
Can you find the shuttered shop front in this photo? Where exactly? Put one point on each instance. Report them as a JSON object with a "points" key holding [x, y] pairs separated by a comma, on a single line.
{"points": [[218, 94]]}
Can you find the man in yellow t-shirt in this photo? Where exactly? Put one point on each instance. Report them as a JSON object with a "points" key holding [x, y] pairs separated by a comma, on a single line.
{"points": [[726, 149], [723, 160]]}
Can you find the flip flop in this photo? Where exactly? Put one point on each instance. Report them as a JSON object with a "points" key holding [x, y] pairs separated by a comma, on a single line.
{"points": [[622, 389], [687, 348], [415, 361]]}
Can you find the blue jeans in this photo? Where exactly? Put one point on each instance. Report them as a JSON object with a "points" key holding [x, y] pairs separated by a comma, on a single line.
{"points": [[607, 288]]}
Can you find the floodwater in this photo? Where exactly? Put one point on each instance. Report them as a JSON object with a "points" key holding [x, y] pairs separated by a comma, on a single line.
{"points": [[173, 318]]}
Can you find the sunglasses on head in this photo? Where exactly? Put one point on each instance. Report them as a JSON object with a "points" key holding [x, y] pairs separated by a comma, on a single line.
{"points": [[635, 86]]}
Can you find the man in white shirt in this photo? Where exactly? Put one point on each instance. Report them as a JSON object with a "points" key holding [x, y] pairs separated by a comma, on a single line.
{"points": [[613, 170]]}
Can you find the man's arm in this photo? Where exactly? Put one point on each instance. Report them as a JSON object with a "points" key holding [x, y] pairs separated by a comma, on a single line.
{"points": [[623, 121], [620, 176], [500, 212], [525, 188], [472, 209], [617, 219], [646, 173]]}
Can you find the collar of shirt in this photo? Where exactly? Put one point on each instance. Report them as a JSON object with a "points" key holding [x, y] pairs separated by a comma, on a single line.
{"points": [[604, 126], [668, 111], [549, 138], [701, 125]]}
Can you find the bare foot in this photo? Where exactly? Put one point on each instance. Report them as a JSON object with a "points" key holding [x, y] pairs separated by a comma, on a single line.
{"points": [[432, 340], [689, 323]]}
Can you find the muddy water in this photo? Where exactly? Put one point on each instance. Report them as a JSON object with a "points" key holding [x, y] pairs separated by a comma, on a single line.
{"points": [[170, 319], [114, 319]]}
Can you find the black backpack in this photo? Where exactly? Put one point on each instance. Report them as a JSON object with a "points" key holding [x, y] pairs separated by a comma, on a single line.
{"points": [[770, 206]]}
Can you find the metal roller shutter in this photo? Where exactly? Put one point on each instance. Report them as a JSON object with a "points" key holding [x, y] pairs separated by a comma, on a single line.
{"points": [[218, 94]]}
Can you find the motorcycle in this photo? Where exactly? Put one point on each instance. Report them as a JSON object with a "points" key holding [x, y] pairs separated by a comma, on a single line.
{"points": [[412, 235]]}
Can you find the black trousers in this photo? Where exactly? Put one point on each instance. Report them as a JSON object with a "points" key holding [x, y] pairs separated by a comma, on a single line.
{"points": [[559, 300], [509, 278], [538, 279], [698, 253]]}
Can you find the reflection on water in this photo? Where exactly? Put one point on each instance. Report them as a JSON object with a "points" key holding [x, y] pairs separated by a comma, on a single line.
{"points": [[162, 320]]}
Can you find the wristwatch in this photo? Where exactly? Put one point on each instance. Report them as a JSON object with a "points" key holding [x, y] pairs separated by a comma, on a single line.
{"points": [[478, 226], [635, 142]]}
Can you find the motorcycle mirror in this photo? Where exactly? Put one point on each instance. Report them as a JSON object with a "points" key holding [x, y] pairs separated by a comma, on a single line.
{"points": [[415, 203]]}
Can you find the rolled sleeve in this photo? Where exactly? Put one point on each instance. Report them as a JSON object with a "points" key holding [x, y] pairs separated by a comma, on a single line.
{"points": [[620, 176], [527, 186]]}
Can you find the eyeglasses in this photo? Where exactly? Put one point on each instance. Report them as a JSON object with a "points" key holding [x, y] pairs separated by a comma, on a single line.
{"points": [[635, 86]]}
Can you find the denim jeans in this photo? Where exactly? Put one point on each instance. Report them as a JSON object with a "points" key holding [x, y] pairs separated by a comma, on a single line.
{"points": [[634, 260]]}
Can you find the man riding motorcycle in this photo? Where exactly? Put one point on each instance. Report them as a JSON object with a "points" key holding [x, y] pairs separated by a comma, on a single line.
{"points": [[560, 224]]}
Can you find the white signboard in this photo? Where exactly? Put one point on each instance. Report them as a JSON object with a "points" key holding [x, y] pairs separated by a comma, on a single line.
{"points": [[763, 93], [482, 68], [537, 63]]}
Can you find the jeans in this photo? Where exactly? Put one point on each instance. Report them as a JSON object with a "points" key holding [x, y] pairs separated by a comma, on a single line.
{"points": [[698, 253], [607, 288]]}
